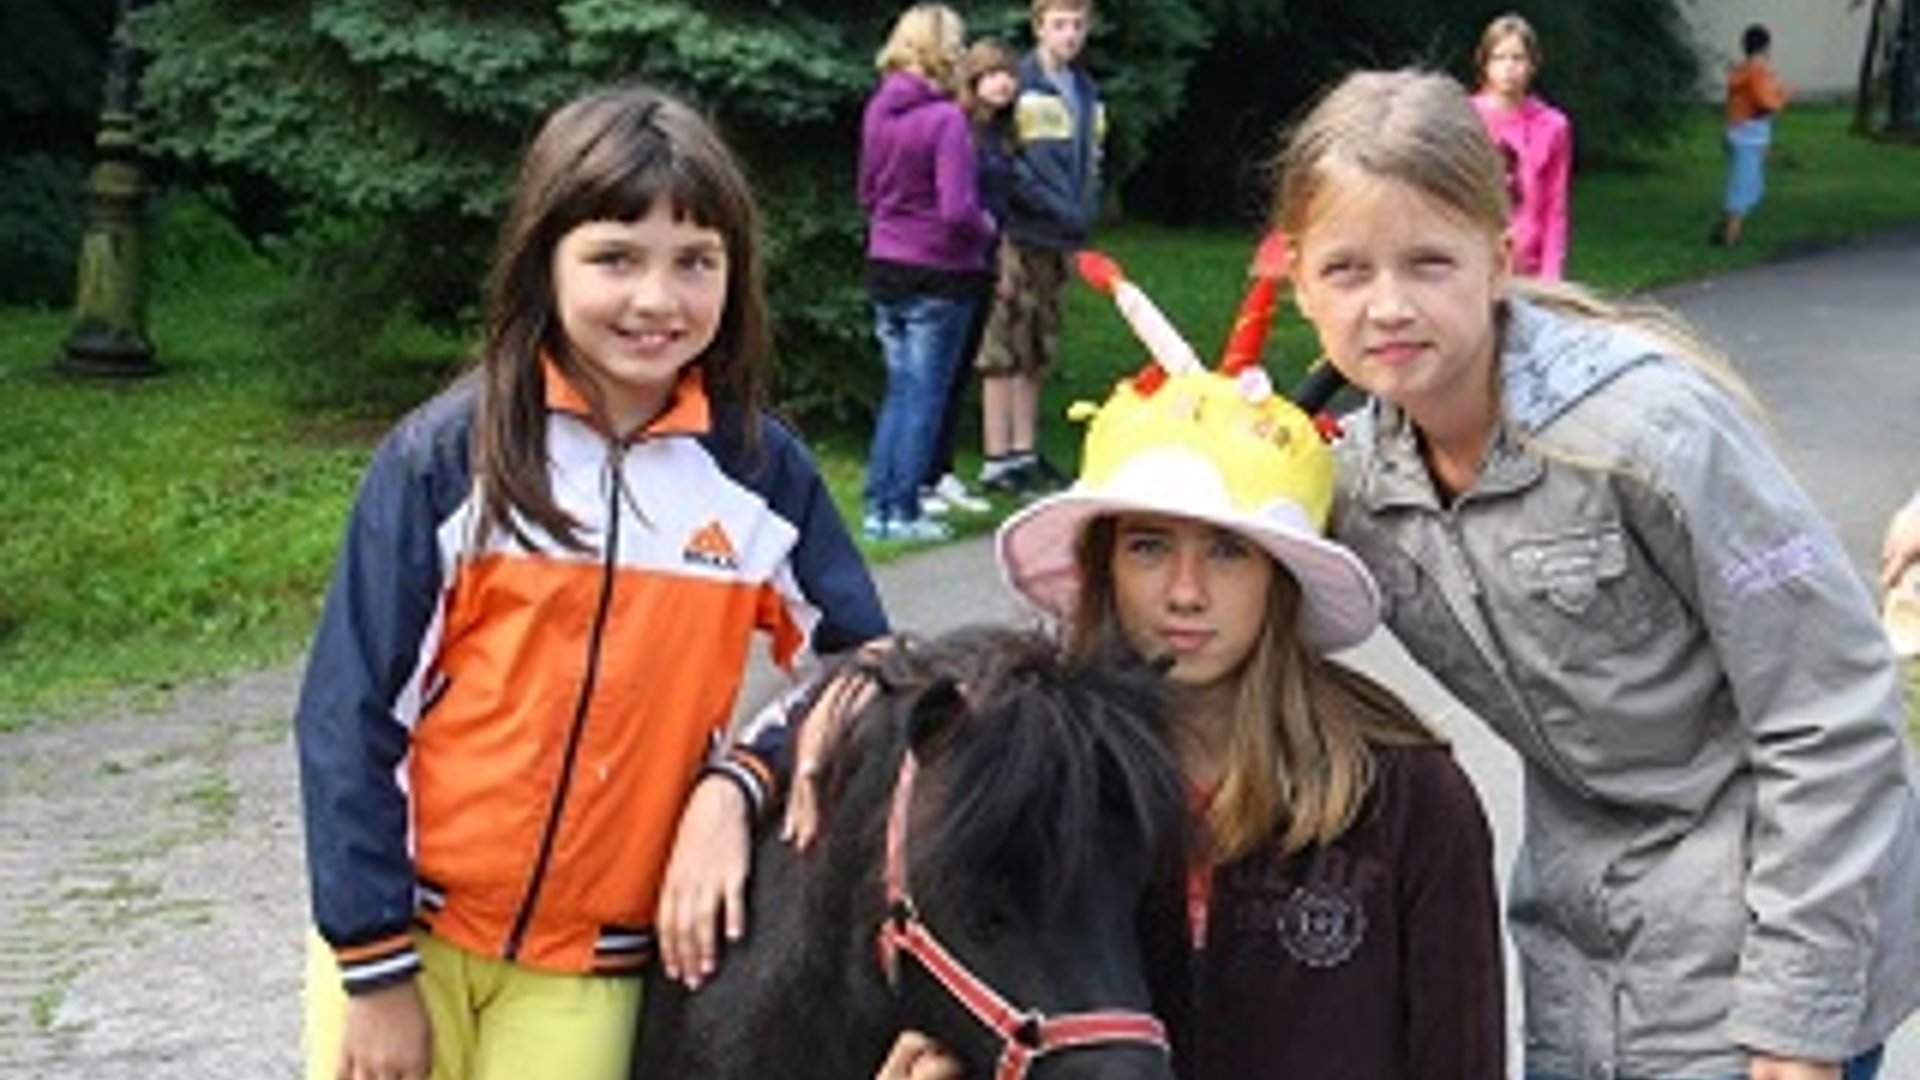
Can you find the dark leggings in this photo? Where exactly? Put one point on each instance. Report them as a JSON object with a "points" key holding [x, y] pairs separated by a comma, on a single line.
{"points": [[958, 390]]}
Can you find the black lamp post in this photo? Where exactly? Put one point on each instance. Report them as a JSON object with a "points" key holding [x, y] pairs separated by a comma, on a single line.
{"points": [[109, 337]]}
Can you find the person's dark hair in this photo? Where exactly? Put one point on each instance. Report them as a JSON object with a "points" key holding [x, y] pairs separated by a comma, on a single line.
{"points": [[1755, 39], [984, 57], [605, 156]]}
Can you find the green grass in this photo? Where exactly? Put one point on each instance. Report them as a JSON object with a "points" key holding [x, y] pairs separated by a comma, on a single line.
{"points": [[1646, 227], [183, 525], [161, 528]]}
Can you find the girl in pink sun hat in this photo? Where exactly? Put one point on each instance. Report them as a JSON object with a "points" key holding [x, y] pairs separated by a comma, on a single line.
{"points": [[1338, 916], [1197, 449]]}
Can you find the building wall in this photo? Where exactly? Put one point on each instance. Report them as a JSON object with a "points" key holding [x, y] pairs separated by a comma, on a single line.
{"points": [[1816, 43]]}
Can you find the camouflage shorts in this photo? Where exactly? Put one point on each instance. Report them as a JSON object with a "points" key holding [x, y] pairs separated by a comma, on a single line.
{"points": [[1023, 329]]}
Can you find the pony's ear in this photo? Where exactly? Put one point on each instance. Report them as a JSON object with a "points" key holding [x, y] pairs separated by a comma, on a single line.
{"points": [[933, 712]]}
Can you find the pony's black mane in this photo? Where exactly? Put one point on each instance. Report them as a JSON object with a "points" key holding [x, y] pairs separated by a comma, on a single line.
{"points": [[1035, 752], [1025, 758]]}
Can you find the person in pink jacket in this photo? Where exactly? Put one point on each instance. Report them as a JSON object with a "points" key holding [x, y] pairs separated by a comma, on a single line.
{"points": [[1535, 138]]}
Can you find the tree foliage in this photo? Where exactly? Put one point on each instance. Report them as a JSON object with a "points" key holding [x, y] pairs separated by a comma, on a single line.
{"points": [[1624, 71], [52, 69], [393, 126]]}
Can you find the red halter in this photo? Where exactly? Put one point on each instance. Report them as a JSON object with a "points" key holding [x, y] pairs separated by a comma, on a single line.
{"points": [[1026, 1035]]}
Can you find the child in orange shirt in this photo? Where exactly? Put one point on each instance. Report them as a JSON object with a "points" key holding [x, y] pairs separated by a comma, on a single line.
{"points": [[1754, 94]]}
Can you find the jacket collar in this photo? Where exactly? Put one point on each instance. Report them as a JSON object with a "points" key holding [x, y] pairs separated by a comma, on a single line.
{"points": [[689, 411], [1402, 479], [1548, 364]]}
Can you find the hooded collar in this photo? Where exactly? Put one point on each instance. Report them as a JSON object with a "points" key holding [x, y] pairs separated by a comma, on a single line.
{"points": [[1548, 364], [903, 92]]}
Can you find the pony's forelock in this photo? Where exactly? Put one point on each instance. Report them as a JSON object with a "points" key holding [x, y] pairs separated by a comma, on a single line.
{"points": [[1045, 751]]}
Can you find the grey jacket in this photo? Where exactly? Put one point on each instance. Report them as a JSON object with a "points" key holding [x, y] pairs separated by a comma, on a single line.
{"points": [[1722, 844]]}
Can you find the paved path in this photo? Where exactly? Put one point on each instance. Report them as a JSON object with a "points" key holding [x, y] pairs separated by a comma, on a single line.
{"points": [[151, 903]]}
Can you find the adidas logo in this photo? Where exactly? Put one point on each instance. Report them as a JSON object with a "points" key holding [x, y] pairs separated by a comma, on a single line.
{"points": [[709, 546]]}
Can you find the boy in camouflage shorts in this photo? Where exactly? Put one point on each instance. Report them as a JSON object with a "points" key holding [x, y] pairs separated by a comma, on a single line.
{"points": [[1058, 125]]}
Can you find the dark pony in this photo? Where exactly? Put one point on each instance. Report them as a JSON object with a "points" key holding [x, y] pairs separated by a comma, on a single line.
{"points": [[1044, 811]]}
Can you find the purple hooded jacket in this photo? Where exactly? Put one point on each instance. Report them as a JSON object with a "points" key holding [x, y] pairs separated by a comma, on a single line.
{"points": [[918, 179]]}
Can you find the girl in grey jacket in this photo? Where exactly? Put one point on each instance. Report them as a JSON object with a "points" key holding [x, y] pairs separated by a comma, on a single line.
{"points": [[1581, 529]]}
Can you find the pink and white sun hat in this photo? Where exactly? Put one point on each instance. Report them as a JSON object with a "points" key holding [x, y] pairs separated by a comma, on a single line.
{"points": [[1215, 447]]}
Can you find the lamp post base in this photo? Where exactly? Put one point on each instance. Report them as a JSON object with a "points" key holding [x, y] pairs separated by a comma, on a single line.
{"points": [[99, 351]]}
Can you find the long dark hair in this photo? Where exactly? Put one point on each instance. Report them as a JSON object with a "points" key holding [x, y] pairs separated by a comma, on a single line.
{"points": [[605, 156], [984, 57]]}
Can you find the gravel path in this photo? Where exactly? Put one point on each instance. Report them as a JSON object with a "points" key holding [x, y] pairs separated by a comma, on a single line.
{"points": [[151, 914]]}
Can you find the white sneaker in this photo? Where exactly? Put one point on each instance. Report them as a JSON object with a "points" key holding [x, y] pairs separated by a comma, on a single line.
{"points": [[932, 505], [952, 491]]}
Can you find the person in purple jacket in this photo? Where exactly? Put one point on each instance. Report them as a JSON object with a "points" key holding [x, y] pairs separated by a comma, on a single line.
{"points": [[927, 237]]}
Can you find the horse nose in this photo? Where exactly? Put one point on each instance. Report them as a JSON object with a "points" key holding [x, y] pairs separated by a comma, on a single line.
{"points": [[1107, 1063]]}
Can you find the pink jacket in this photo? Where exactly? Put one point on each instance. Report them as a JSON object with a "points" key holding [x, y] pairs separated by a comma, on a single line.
{"points": [[1539, 139]]}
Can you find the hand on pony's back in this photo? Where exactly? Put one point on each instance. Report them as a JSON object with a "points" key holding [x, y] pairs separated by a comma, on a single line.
{"points": [[846, 693], [705, 891], [916, 1057]]}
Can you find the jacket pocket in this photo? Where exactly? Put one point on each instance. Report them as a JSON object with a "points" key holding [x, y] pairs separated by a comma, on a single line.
{"points": [[1585, 594]]}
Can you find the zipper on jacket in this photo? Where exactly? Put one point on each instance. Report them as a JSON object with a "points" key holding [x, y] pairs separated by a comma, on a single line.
{"points": [[516, 937], [1497, 660], [1199, 933]]}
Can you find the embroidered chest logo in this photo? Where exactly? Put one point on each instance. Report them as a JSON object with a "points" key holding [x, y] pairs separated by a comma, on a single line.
{"points": [[1321, 924], [1317, 911], [709, 546]]}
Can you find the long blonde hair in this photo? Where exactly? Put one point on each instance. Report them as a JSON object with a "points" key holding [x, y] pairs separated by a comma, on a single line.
{"points": [[928, 40], [1299, 757], [1418, 128]]}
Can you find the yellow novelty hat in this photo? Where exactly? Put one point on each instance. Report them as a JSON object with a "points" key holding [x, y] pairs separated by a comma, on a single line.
{"points": [[1213, 448]]}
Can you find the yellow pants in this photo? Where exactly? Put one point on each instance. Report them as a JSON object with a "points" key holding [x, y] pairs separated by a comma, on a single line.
{"points": [[492, 1019]]}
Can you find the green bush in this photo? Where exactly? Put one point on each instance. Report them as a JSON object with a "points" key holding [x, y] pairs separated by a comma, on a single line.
{"points": [[398, 122], [51, 74], [193, 238], [41, 215], [1624, 70]]}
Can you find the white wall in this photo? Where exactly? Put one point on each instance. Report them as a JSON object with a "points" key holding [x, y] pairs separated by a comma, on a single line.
{"points": [[1816, 43]]}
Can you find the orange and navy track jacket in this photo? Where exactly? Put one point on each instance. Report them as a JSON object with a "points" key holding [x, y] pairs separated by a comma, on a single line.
{"points": [[495, 742]]}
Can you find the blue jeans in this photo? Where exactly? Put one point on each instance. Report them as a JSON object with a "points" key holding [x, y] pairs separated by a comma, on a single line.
{"points": [[1864, 1067], [920, 338], [1746, 146]]}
